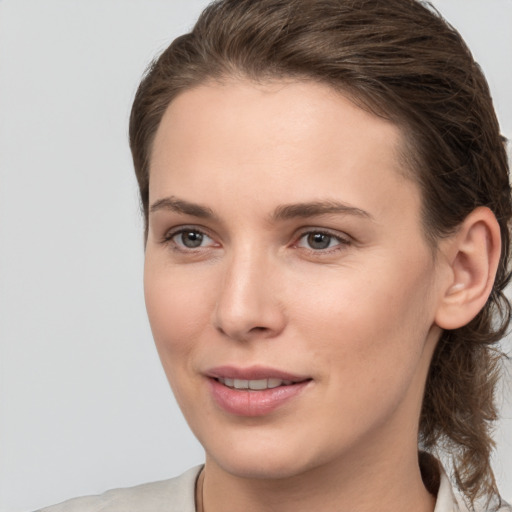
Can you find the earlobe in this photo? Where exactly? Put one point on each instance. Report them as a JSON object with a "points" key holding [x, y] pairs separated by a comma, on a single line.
{"points": [[473, 254]]}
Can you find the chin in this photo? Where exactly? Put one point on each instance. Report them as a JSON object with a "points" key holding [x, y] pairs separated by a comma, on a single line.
{"points": [[263, 468], [272, 460]]}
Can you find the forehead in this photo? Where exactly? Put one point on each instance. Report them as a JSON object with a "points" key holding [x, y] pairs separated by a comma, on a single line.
{"points": [[244, 138], [284, 106]]}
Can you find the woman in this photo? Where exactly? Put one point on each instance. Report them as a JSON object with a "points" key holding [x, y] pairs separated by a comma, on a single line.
{"points": [[327, 203]]}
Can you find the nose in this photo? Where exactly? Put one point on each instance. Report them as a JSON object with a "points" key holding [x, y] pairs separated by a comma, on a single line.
{"points": [[248, 305]]}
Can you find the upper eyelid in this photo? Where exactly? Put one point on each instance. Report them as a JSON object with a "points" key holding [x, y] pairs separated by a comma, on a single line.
{"points": [[169, 233], [325, 231]]}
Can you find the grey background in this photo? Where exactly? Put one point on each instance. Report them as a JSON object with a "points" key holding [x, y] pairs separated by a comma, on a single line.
{"points": [[84, 405]]}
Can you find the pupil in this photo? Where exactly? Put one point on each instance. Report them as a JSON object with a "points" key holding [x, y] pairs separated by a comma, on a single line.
{"points": [[319, 240], [192, 239]]}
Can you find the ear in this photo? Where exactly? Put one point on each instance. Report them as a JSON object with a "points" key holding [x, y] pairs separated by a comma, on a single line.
{"points": [[472, 255]]}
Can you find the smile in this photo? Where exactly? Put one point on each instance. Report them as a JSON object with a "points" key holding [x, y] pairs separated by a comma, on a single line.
{"points": [[255, 385], [254, 391]]}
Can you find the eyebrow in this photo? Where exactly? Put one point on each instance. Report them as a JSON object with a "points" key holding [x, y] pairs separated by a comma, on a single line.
{"points": [[283, 212], [315, 208], [173, 204]]}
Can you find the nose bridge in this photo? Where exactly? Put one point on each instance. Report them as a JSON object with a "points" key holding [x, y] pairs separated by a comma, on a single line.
{"points": [[247, 304]]}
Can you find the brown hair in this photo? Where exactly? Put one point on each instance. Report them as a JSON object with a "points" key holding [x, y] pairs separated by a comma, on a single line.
{"points": [[400, 60]]}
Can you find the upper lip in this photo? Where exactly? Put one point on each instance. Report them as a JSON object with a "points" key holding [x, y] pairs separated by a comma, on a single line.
{"points": [[253, 373]]}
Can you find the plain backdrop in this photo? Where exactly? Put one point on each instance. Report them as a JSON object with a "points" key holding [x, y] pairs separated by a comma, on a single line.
{"points": [[84, 404]]}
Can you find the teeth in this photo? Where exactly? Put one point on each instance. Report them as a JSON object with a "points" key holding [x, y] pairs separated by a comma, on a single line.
{"points": [[256, 385], [241, 384], [274, 383]]}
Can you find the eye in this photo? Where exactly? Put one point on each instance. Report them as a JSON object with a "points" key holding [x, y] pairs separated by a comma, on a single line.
{"points": [[190, 238], [319, 241]]}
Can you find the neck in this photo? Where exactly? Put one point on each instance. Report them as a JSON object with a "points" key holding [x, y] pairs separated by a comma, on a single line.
{"points": [[387, 485]]}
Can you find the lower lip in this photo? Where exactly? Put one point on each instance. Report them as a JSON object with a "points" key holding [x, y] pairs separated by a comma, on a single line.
{"points": [[253, 403]]}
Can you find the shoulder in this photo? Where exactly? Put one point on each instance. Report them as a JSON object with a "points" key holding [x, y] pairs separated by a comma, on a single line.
{"points": [[505, 507], [448, 498], [174, 495], [495, 505]]}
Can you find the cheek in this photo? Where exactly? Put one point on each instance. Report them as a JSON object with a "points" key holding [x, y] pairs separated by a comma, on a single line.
{"points": [[177, 308], [369, 345], [178, 313], [373, 323]]}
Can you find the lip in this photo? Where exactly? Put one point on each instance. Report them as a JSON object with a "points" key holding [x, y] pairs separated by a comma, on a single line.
{"points": [[252, 403], [253, 373]]}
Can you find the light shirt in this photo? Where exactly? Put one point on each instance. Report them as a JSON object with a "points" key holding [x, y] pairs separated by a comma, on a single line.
{"points": [[178, 495]]}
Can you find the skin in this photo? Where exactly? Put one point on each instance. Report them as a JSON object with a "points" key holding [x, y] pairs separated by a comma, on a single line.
{"points": [[358, 318]]}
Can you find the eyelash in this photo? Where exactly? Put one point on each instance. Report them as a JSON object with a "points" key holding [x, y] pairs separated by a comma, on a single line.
{"points": [[342, 242], [169, 237]]}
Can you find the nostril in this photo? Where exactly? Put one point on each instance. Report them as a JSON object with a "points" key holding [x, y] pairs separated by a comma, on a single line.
{"points": [[244, 335], [259, 329]]}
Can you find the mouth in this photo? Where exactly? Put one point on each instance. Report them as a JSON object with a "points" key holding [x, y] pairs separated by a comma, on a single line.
{"points": [[255, 384], [255, 391]]}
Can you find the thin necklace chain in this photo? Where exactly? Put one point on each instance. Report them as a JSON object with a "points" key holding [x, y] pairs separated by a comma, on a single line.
{"points": [[199, 492]]}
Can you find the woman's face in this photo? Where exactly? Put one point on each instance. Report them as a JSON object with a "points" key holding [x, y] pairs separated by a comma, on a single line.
{"points": [[285, 254]]}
